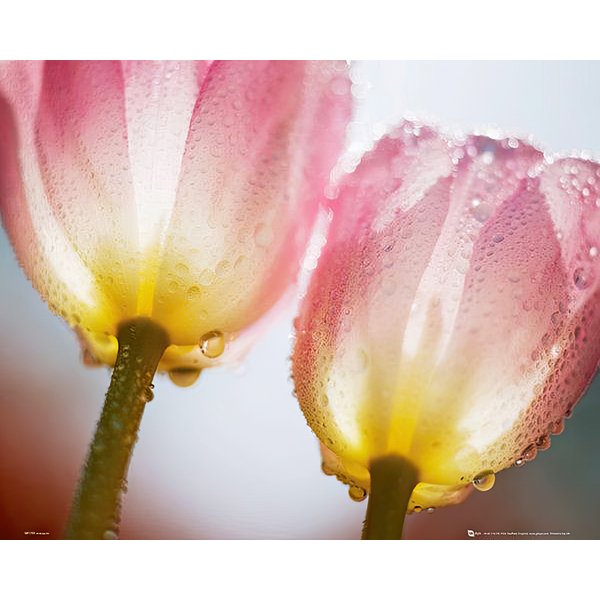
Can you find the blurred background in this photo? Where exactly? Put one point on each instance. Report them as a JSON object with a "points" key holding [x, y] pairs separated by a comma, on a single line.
{"points": [[232, 457]]}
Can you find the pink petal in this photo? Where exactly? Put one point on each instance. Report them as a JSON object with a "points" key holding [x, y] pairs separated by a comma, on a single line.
{"points": [[262, 140], [504, 330], [81, 139], [47, 258], [572, 190], [359, 300]]}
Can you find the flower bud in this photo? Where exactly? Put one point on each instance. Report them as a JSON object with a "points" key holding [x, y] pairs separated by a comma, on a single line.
{"points": [[454, 316], [184, 192]]}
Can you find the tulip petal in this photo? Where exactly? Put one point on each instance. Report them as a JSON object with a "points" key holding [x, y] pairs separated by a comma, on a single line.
{"points": [[44, 250], [256, 161], [479, 278], [371, 265], [498, 353], [81, 139]]}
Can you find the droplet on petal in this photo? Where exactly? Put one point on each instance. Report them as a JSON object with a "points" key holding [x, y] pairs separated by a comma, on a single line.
{"points": [[543, 442], [184, 377], [357, 493], [89, 360], [480, 210], [326, 469], [484, 481], [580, 279], [212, 344], [530, 452]]}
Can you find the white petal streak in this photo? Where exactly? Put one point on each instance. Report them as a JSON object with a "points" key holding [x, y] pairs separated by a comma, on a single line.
{"points": [[159, 100]]}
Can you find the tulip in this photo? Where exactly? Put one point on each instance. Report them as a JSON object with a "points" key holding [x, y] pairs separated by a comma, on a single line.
{"points": [[453, 319], [162, 209]]}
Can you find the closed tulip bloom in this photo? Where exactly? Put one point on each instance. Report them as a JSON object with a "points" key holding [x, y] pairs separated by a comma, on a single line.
{"points": [[453, 319], [184, 192], [162, 209]]}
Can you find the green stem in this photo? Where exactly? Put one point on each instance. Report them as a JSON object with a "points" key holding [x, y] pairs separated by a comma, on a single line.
{"points": [[96, 507], [393, 479]]}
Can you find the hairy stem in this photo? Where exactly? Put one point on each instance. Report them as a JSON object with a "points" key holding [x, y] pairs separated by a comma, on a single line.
{"points": [[96, 507]]}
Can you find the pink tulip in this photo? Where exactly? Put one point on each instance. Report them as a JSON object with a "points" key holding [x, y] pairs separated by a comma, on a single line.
{"points": [[454, 317], [184, 192]]}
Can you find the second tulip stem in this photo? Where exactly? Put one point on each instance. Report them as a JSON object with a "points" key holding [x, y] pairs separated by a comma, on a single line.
{"points": [[393, 478], [96, 509]]}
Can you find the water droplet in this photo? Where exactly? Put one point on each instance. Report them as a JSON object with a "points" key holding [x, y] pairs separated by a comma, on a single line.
{"points": [[184, 377], [487, 157], [206, 277], [514, 277], [327, 470], [530, 452], [149, 394], [519, 462], [193, 292], [480, 210], [543, 442], [593, 251], [417, 509], [212, 344], [557, 427], [431, 509], [357, 493], [110, 534], [89, 360], [484, 481], [263, 236], [580, 278]]}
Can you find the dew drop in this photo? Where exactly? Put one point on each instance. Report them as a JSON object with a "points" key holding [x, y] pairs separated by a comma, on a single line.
{"points": [[110, 534], [480, 210], [206, 277], [212, 344], [593, 252], [543, 442], [184, 377], [580, 278], [519, 462], [530, 452], [557, 427], [430, 510], [484, 481], [417, 509], [487, 157], [263, 236], [89, 360], [357, 493], [327, 470]]}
